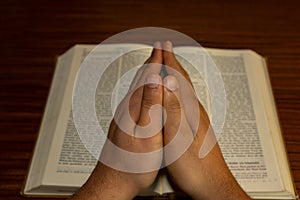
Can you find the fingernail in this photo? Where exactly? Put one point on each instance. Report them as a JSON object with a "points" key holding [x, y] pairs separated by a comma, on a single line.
{"points": [[153, 81], [157, 45], [170, 83], [168, 46]]}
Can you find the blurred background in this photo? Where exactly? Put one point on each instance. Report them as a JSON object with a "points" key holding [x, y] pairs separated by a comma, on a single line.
{"points": [[34, 33]]}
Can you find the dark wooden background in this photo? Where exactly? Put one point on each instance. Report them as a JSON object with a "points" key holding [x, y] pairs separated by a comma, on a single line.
{"points": [[33, 33]]}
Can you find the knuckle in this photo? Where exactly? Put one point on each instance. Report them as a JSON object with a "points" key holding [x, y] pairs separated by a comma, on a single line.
{"points": [[148, 102], [173, 105]]}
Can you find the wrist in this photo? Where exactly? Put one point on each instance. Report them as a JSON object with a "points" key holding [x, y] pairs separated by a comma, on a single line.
{"points": [[114, 184], [106, 184]]}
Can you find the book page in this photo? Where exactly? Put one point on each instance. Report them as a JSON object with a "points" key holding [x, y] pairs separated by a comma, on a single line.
{"points": [[49, 122], [54, 175], [245, 142], [70, 162]]}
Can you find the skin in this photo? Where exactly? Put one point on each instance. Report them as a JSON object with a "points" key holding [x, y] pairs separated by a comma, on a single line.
{"points": [[200, 178]]}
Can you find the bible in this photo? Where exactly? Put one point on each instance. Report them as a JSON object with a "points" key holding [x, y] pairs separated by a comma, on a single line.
{"points": [[251, 139]]}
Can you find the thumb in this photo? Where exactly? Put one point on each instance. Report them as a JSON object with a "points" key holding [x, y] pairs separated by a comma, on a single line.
{"points": [[150, 118], [178, 135], [172, 106]]}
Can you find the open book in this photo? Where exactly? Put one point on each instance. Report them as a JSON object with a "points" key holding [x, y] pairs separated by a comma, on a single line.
{"points": [[251, 141]]}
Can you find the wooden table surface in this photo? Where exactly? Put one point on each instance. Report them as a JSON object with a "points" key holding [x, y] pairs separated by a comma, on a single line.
{"points": [[33, 33]]}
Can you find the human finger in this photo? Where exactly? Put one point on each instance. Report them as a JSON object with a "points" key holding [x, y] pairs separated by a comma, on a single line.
{"points": [[171, 63], [151, 66]]}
